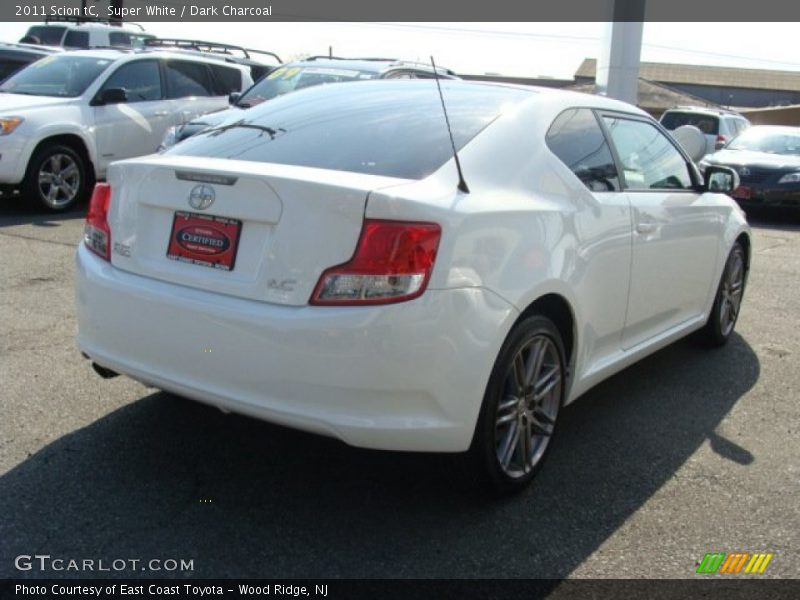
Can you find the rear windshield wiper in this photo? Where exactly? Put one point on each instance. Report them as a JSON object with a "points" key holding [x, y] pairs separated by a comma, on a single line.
{"points": [[272, 133]]}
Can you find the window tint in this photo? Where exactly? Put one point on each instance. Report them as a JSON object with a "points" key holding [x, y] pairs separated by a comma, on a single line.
{"points": [[47, 34], [140, 79], [77, 39], [649, 160], [188, 79], [708, 124], [227, 80], [119, 38], [577, 139], [381, 128]]}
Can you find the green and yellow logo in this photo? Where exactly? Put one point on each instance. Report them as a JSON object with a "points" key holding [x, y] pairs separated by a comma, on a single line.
{"points": [[734, 563]]}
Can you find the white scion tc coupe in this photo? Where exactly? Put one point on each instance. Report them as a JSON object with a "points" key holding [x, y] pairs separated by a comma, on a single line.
{"points": [[317, 262]]}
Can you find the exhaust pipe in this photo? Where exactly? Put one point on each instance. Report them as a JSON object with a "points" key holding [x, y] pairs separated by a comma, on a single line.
{"points": [[104, 372]]}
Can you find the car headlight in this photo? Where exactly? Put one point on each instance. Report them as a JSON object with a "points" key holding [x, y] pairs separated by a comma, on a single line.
{"points": [[9, 124], [790, 178], [170, 138]]}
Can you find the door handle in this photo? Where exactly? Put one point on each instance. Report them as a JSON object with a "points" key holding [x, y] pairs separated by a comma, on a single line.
{"points": [[161, 113], [645, 228]]}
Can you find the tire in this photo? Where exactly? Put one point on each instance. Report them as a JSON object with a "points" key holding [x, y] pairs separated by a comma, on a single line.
{"points": [[57, 178], [524, 395], [728, 301]]}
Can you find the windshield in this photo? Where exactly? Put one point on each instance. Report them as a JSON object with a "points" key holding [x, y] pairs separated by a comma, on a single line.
{"points": [[767, 140], [387, 128], [47, 34], [289, 79], [63, 76]]}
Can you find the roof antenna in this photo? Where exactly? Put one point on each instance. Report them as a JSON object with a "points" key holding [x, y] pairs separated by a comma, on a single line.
{"points": [[462, 185]]}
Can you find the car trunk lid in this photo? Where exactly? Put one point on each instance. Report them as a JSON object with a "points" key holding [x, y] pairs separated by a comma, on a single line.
{"points": [[250, 230]]}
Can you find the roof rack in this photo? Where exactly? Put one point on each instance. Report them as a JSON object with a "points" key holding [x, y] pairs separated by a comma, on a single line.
{"points": [[201, 46], [81, 20]]}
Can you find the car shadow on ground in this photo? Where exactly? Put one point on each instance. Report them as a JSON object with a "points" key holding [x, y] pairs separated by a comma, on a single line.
{"points": [[16, 210], [774, 218], [165, 477]]}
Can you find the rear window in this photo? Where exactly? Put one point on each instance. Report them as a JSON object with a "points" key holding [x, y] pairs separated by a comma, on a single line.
{"points": [[77, 39], [395, 129], [708, 124]]}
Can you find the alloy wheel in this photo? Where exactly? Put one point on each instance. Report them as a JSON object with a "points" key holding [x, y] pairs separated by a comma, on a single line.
{"points": [[527, 410], [732, 289], [59, 180]]}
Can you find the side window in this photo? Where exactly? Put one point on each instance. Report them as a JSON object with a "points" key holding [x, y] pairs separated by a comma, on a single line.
{"points": [[227, 80], [649, 160], [140, 79], [119, 38], [77, 39], [186, 78], [577, 139]]}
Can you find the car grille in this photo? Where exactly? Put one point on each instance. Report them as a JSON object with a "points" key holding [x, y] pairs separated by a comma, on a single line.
{"points": [[752, 175]]}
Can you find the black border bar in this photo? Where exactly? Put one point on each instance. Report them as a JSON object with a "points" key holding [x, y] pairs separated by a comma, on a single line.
{"points": [[706, 587], [711, 11]]}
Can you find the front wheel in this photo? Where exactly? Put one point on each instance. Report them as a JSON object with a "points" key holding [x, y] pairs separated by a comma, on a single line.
{"points": [[56, 178], [520, 406], [728, 301]]}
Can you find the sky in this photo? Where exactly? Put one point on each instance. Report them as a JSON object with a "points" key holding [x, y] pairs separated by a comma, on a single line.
{"points": [[515, 49]]}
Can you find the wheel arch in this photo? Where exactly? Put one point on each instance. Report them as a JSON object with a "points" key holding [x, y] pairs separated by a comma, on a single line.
{"points": [[559, 310], [74, 141]]}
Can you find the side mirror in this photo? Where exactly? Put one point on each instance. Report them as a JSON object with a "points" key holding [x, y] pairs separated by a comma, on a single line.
{"points": [[233, 97], [111, 96], [723, 180]]}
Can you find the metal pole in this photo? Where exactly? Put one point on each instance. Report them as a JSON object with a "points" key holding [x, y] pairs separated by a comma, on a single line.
{"points": [[618, 64]]}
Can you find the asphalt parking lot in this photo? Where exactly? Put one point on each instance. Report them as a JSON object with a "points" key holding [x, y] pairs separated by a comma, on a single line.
{"points": [[690, 451]]}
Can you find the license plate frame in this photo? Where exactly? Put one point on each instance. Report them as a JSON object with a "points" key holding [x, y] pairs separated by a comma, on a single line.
{"points": [[743, 192], [204, 240]]}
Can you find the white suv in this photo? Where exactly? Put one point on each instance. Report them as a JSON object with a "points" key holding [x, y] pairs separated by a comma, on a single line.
{"points": [[86, 35], [64, 118], [719, 126]]}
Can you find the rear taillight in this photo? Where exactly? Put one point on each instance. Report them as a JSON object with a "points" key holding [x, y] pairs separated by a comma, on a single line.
{"points": [[96, 233], [721, 141], [392, 263]]}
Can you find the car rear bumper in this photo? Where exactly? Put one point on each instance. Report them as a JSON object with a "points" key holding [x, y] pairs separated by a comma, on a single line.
{"points": [[407, 376]]}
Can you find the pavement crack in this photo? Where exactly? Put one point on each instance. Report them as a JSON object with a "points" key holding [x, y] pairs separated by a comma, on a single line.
{"points": [[35, 239]]}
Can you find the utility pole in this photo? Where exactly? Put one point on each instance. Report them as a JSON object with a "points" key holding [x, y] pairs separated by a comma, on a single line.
{"points": [[617, 73]]}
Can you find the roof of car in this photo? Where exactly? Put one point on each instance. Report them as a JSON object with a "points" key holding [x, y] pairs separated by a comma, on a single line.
{"points": [[372, 65], [30, 48], [706, 110], [123, 53]]}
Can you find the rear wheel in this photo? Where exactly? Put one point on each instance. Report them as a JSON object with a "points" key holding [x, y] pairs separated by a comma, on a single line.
{"points": [[520, 407], [725, 312], [56, 178]]}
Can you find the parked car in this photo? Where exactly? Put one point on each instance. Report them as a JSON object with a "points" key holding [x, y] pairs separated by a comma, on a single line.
{"points": [[321, 264], [316, 70], [74, 33], [767, 159], [67, 116], [14, 57], [719, 126]]}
